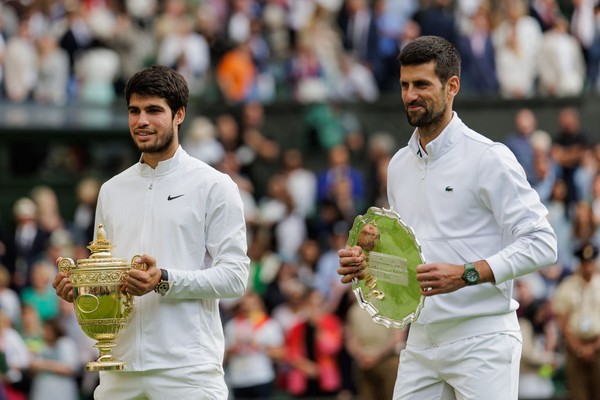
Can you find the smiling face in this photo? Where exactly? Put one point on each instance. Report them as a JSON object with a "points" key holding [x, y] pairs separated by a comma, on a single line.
{"points": [[427, 102], [153, 127]]}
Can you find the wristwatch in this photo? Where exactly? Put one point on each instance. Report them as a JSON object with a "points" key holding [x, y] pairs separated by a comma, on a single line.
{"points": [[163, 285], [471, 275]]}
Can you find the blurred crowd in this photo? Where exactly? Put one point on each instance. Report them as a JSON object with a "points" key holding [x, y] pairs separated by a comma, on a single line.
{"points": [[64, 51], [295, 296]]}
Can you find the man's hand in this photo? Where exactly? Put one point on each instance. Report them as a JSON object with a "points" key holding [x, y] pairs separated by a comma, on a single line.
{"points": [[437, 278], [140, 282], [62, 284], [352, 264]]}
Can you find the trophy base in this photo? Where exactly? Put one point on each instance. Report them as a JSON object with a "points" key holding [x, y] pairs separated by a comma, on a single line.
{"points": [[105, 366]]}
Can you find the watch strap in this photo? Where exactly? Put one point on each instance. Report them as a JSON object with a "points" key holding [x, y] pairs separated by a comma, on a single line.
{"points": [[164, 275]]}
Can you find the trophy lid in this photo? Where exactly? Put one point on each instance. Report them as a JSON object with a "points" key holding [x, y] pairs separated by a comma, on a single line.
{"points": [[100, 250]]}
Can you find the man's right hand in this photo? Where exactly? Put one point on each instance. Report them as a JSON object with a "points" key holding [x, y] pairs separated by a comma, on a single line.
{"points": [[352, 264], [62, 285]]}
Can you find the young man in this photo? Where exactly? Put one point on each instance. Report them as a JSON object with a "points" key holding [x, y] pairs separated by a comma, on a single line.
{"points": [[480, 225], [189, 217]]}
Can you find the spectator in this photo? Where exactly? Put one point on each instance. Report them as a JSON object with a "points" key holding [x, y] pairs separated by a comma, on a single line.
{"points": [[478, 57], [83, 217], [301, 182], [9, 299], [252, 127], [132, 41], [254, 343], [16, 356], [75, 39], [308, 257], [560, 215], [188, 53], [539, 359], [275, 293], [516, 41], [360, 35], [230, 165], [583, 24], [305, 72], [584, 175], [355, 82], [374, 349], [520, 142], [201, 141], [576, 304], [20, 65], [86, 351], [339, 171], [567, 149], [585, 226], [40, 295], [546, 169], [379, 152], [48, 208], [31, 329], [312, 347], [562, 69], [97, 70], [290, 312], [168, 17], [327, 280], [56, 367], [236, 74], [437, 18], [546, 12], [28, 244], [391, 17], [593, 65], [53, 72], [264, 261]]}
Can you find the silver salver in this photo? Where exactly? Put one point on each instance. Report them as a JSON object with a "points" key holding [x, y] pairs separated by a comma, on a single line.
{"points": [[389, 292]]}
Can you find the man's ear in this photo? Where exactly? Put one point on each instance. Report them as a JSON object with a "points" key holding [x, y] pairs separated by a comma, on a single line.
{"points": [[453, 86], [179, 116]]}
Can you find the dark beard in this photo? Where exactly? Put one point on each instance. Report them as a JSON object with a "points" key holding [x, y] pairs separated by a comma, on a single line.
{"points": [[161, 145], [429, 118]]}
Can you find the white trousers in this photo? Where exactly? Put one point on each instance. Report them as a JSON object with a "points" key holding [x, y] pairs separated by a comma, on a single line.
{"points": [[164, 384], [480, 367]]}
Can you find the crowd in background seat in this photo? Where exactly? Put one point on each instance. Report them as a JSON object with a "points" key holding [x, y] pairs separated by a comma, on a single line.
{"points": [[65, 51]]}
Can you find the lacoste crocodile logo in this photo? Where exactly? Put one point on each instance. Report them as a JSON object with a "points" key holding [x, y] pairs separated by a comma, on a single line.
{"points": [[449, 188], [174, 197]]}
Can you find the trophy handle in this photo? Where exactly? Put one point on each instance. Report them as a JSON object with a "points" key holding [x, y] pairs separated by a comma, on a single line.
{"points": [[136, 265], [66, 264]]}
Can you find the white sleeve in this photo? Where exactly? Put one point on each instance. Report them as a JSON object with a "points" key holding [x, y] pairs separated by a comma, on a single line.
{"points": [[517, 208]]}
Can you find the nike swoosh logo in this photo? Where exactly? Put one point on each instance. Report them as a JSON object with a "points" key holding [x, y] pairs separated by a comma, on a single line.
{"points": [[174, 197]]}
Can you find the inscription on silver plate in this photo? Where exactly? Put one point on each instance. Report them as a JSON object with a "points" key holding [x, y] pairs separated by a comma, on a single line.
{"points": [[388, 268]]}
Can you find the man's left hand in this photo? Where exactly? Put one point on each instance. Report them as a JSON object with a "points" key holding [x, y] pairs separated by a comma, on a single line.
{"points": [[140, 282]]}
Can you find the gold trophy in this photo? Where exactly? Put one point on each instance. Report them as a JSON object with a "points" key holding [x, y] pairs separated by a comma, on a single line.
{"points": [[101, 305]]}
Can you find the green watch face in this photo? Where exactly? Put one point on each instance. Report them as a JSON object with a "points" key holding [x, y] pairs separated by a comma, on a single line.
{"points": [[471, 276]]}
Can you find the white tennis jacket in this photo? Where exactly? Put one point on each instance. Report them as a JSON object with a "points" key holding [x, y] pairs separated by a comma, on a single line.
{"points": [[467, 199], [190, 218]]}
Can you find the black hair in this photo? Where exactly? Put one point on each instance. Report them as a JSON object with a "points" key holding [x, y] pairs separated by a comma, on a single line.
{"points": [[161, 81], [425, 49]]}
